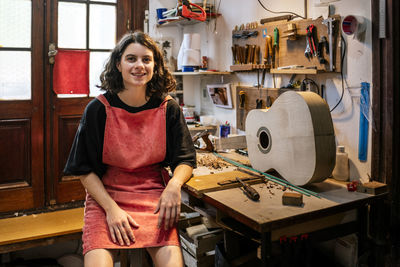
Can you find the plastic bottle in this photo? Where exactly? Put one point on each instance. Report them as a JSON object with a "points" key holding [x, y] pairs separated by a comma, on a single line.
{"points": [[341, 170]]}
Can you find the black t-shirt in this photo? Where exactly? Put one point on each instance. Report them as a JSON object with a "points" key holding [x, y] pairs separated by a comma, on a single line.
{"points": [[87, 148]]}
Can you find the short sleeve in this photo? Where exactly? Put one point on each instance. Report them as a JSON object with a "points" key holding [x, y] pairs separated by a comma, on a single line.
{"points": [[180, 148], [86, 151]]}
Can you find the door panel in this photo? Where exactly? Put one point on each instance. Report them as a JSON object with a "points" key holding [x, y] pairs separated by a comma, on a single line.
{"points": [[15, 168], [21, 121]]}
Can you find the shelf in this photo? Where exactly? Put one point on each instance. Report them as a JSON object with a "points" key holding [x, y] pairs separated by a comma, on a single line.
{"points": [[184, 21], [195, 73], [249, 67], [295, 71]]}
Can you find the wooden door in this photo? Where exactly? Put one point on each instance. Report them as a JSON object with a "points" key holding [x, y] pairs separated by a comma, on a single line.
{"points": [[37, 126], [79, 25], [21, 105]]}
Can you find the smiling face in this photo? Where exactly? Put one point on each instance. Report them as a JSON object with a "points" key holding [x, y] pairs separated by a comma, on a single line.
{"points": [[136, 66]]}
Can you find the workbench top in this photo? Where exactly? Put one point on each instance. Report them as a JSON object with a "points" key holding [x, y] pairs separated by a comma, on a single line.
{"points": [[268, 213]]}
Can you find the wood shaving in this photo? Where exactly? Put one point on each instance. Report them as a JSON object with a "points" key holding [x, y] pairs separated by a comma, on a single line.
{"points": [[212, 162]]}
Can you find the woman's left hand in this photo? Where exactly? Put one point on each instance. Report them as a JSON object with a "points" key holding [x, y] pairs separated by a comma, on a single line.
{"points": [[169, 205]]}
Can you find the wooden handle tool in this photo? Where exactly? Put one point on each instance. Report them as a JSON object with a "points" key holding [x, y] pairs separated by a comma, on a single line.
{"points": [[268, 49], [248, 190]]}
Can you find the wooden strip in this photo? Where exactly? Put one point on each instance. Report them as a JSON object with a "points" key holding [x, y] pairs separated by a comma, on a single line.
{"points": [[209, 183], [38, 226], [295, 71]]}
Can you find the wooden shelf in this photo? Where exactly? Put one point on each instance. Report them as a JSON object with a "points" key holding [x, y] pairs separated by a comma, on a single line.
{"points": [[249, 67], [296, 71], [195, 73]]}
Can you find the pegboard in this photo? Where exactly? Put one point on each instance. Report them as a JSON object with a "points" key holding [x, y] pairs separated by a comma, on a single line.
{"points": [[291, 52], [251, 96]]}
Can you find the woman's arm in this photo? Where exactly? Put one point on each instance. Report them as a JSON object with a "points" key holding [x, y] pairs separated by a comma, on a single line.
{"points": [[117, 219], [169, 204]]}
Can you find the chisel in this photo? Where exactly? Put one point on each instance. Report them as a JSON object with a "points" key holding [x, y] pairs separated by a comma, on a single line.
{"points": [[248, 190]]}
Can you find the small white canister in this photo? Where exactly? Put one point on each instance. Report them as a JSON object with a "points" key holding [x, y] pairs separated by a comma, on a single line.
{"points": [[188, 113]]}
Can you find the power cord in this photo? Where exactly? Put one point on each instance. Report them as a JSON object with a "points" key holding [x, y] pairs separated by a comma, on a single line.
{"points": [[341, 72], [281, 12], [303, 86]]}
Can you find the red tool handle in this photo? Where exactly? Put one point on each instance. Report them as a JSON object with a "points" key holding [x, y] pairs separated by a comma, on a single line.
{"points": [[194, 15]]}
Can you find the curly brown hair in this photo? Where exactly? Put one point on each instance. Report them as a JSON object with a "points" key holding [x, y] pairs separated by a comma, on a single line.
{"points": [[162, 81]]}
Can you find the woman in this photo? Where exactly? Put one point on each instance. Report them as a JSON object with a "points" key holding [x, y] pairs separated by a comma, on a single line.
{"points": [[124, 140]]}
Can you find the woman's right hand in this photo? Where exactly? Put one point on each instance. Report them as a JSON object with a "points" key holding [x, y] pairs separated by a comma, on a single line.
{"points": [[119, 224]]}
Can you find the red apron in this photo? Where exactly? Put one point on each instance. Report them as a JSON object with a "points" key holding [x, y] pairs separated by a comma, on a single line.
{"points": [[134, 145]]}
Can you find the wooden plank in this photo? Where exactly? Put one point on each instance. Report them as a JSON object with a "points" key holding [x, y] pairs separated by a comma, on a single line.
{"points": [[249, 67], [292, 198], [295, 71], [208, 183], [230, 142], [373, 188], [38, 226], [237, 157]]}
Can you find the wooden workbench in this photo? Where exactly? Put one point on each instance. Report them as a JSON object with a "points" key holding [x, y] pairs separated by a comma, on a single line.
{"points": [[267, 219]]}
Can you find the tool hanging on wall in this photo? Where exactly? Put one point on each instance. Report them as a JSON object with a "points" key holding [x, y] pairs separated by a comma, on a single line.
{"points": [[329, 22], [275, 47], [245, 34], [242, 103], [311, 30], [364, 121], [268, 50], [323, 43], [258, 100]]}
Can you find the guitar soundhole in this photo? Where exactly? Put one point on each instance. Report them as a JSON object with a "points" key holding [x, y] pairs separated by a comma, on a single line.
{"points": [[264, 140]]}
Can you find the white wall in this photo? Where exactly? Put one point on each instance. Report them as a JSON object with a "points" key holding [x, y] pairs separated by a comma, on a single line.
{"points": [[217, 42]]}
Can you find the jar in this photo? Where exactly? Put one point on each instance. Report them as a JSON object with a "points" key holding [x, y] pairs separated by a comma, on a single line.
{"points": [[188, 113], [341, 170]]}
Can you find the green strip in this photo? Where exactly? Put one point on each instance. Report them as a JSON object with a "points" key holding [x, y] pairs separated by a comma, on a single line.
{"points": [[271, 177]]}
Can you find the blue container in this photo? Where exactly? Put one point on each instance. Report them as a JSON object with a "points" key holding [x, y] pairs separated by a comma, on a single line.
{"points": [[160, 14], [224, 130], [187, 69]]}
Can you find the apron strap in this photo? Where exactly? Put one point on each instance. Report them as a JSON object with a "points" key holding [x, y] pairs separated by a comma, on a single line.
{"points": [[103, 100], [165, 101]]}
